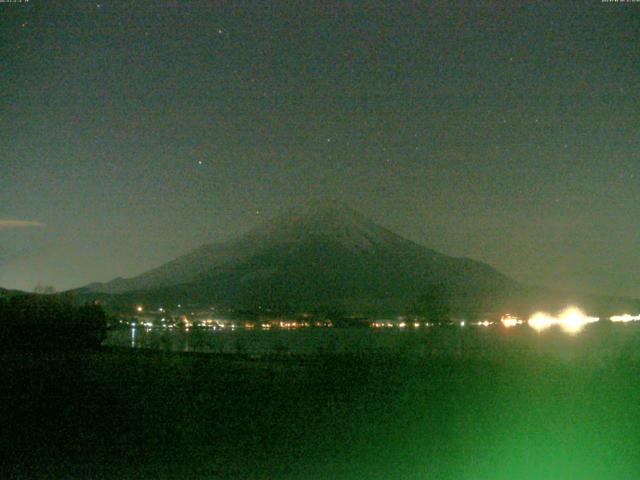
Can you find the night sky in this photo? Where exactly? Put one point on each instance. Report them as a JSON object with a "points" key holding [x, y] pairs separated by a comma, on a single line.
{"points": [[135, 131]]}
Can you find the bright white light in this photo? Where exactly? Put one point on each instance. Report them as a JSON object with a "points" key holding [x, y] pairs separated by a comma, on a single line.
{"points": [[625, 318], [139, 308], [510, 321], [462, 323], [484, 323], [571, 320], [541, 321]]}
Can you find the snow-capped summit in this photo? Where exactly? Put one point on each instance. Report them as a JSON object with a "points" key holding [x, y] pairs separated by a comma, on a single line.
{"points": [[328, 221]]}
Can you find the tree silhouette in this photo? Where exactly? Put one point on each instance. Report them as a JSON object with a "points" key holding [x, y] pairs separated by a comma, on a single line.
{"points": [[44, 289], [50, 322]]}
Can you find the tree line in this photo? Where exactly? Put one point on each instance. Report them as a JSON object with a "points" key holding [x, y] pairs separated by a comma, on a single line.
{"points": [[35, 321]]}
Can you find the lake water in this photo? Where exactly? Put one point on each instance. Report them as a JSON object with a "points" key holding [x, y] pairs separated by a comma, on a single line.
{"points": [[596, 343]]}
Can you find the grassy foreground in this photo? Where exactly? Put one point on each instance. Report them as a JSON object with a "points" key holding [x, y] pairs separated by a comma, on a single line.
{"points": [[116, 413]]}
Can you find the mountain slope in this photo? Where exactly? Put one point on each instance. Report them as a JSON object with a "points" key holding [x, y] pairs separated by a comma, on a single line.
{"points": [[318, 256]]}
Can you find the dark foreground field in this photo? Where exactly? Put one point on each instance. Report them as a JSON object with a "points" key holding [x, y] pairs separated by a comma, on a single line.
{"points": [[141, 414]]}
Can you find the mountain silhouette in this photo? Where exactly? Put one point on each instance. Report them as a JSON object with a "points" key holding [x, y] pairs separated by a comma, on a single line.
{"points": [[321, 255]]}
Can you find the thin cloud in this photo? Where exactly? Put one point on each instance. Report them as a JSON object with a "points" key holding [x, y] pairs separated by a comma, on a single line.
{"points": [[19, 224]]}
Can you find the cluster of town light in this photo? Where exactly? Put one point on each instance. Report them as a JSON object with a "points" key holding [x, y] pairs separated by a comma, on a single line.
{"points": [[397, 324], [510, 321], [572, 320], [625, 318]]}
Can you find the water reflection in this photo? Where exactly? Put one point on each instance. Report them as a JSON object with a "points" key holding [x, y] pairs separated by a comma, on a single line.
{"points": [[474, 339], [133, 336]]}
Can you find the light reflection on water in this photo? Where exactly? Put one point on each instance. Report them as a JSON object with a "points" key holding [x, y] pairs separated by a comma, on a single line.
{"points": [[595, 342]]}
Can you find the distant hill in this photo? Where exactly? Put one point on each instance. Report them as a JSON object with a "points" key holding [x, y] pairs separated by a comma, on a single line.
{"points": [[325, 257], [9, 293]]}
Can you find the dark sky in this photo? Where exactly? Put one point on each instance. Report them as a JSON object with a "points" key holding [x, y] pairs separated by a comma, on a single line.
{"points": [[134, 131]]}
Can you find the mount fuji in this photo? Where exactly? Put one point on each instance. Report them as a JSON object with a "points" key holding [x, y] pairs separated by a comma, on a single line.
{"points": [[317, 256]]}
